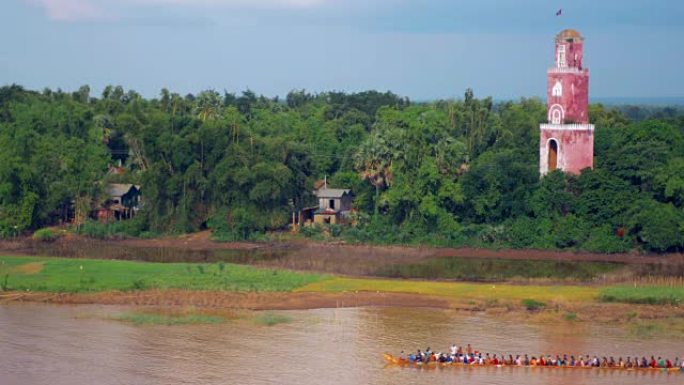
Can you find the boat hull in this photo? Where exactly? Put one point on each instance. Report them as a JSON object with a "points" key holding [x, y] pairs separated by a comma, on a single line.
{"points": [[402, 362]]}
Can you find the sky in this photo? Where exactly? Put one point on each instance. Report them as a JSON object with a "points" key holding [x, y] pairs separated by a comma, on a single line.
{"points": [[422, 49]]}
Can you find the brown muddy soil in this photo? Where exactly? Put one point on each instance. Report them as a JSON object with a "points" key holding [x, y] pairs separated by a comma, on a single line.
{"points": [[234, 300], [220, 300]]}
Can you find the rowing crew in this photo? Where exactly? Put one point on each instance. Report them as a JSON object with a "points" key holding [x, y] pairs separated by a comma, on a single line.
{"points": [[470, 357]]}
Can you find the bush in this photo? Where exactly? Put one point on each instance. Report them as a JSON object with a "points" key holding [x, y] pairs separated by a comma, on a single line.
{"points": [[135, 227], [520, 233], [311, 231], [271, 319], [570, 316], [532, 304], [230, 224], [604, 240], [335, 230], [356, 234], [46, 235], [659, 226]]}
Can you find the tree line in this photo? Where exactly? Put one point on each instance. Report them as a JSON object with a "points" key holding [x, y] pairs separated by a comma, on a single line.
{"points": [[448, 172]]}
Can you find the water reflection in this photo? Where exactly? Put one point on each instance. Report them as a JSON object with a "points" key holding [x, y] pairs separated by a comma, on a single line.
{"points": [[82, 345]]}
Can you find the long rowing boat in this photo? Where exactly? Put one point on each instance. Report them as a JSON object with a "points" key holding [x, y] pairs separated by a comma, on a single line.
{"points": [[396, 361]]}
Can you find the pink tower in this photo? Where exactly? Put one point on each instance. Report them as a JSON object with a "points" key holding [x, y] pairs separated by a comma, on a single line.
{"points": [[566, 142]]}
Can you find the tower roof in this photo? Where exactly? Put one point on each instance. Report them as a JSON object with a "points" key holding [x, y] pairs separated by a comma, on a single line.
{"points": [[569, 34]]}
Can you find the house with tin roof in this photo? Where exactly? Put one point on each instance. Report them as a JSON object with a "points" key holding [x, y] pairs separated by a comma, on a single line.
{"points": [[334, 205]]}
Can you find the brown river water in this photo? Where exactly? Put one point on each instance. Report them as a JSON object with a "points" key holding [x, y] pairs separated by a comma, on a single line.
{"points": [[74, 345]]}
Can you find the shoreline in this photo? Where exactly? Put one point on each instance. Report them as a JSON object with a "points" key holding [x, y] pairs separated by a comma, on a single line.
{"points": [[202, 242], [616, 313]]}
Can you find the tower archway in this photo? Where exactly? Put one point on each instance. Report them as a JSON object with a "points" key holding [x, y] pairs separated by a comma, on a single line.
{"points": [[553, 155]]}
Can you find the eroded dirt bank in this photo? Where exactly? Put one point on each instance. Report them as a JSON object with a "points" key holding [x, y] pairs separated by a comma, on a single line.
{"points": [[200, 246], [236, 300], [555, 312]]}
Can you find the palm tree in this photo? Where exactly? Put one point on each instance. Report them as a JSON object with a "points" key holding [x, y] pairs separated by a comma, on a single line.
{"points": [[208, 105], [374, 161]]}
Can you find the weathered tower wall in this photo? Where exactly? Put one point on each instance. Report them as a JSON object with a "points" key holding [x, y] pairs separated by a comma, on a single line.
{"points": [[567, 140]]}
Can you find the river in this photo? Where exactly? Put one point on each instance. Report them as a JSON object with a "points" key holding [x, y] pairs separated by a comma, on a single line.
{"points": [[74, 345]]}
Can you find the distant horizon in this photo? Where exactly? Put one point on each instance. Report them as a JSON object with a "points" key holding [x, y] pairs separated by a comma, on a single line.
{"points": [[606, 100]]}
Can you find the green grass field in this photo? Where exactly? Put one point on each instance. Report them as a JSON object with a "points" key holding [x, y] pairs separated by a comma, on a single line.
{"points": [[94, 275], [650, 295], [458, 290], [473, 269], [81, 275]]}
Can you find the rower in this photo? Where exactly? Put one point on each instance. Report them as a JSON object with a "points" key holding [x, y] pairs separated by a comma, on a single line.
{"points": [[661, 362], [454, 350]]}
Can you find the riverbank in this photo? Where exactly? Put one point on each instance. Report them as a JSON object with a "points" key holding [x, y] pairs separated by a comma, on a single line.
{"points": [[230, 286], [367, 260], [202, 241]]}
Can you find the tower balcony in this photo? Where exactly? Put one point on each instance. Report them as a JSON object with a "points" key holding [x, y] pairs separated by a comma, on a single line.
{"points": [[568, 70], [567, 127]]}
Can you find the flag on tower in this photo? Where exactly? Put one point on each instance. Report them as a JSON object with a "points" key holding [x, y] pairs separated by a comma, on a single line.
{"points": [[560, 12]]}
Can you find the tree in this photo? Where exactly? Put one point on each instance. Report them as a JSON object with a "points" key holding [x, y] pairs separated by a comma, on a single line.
{"points": [[373, 160]]}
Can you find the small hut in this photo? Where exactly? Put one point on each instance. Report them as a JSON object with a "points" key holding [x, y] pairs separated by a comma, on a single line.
{"points": [[334, 205], [123, 202]]}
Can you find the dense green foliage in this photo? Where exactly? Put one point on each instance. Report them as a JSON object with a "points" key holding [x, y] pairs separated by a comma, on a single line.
{"points": [[83, 275], [451, 173]]}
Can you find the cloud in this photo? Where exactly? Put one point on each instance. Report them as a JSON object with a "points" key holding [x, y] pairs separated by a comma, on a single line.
{"points": [[236, 3], [69, 10], [75, 10]]}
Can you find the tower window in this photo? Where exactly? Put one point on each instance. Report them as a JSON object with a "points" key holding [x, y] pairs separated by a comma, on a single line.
{"points": [[556, 114], [561, 56], [557, 89]]}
